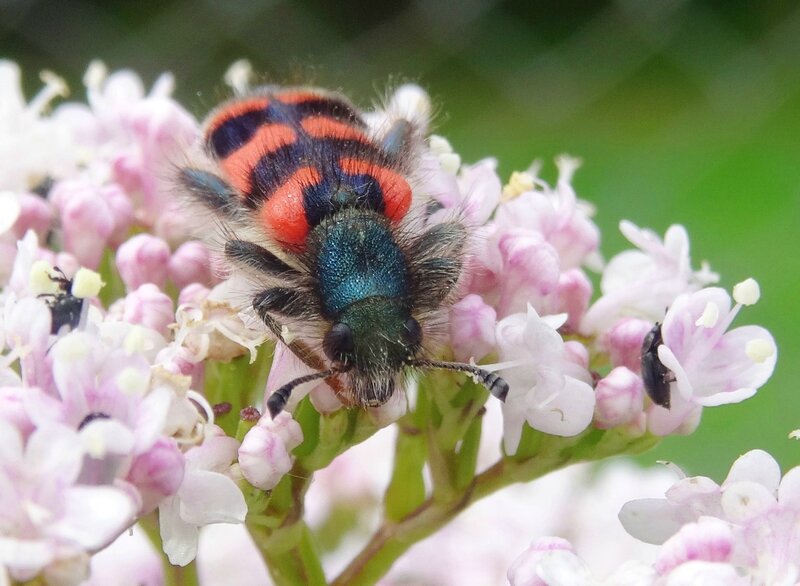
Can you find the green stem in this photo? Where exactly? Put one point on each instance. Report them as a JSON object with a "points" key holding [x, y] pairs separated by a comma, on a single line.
{"points": [[393, 538], [290, 554], [282, 536]]}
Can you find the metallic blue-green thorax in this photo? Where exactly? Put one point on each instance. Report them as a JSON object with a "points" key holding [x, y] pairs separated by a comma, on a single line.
{"points": [[358, 258]]}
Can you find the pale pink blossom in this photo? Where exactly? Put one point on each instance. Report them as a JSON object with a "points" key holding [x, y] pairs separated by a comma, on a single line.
{"points": [[708, 574], [548, 390], [755, 475], [711, 365], [556, 214], [473, 194], [48, 518], [104, 395], [264, 456], [138, 136], [526, 570], [745, 531], [207, 495], [643, 283], [193, 293], [143, 259]]}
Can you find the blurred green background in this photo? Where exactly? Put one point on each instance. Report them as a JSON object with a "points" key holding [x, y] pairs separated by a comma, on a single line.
{"points": [[683, 112]]}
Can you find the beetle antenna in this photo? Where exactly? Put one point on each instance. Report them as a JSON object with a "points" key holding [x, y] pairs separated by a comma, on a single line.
{"points": [[277, 400], [495, 384]]}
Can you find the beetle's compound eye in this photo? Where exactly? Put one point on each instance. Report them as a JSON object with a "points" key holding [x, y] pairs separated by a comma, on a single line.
{"points": [[338, 342], [413, 333]]}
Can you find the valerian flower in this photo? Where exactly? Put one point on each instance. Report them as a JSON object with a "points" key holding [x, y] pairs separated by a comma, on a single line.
{"points": [[47, 516], [548, 390], [206, 495], [643, 283], [711, 365]]}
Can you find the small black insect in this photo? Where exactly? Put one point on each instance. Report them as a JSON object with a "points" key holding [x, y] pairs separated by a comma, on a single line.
{"points": [[657, 377], [65, 308]]}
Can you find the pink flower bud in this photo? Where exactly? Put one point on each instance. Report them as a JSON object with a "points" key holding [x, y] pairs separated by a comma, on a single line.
{"points": [[284, 427], [150, 307], [172, 224], [86, 218], [193, 293], [35, 214], [263, 458], [619, 398], [472, 328], [121, 208], [528, 258], [190, 264], [126, 170], [624, 342], [67, 263], [143, 259], [163, 126], [576, 353], [157, 473], [572, 297]]}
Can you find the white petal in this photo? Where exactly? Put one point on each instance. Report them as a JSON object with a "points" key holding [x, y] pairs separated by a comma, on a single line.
{"points": [[706, 573], [661, 421], [746, 499], [758, 466], [650, 520], [106, 436], [95, 515], [151, 418], [215, 453], [789, 490], [569, 411], [632, 573], [728, 398], [563, 568], [9, 210], [10, 442], [512, 428], [682, 382], [210, 497], [55, 451], [25, 558], [179, 538]]}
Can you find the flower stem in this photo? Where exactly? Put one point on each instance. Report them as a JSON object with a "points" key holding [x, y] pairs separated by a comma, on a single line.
{"points": [[393, 538]]}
